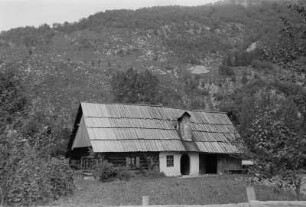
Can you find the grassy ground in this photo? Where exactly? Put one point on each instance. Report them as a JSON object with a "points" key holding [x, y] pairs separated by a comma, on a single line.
{"points": [[166, 191]]}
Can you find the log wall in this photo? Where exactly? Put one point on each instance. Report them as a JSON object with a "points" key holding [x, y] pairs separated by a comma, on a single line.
{"points": [[147, 160]]}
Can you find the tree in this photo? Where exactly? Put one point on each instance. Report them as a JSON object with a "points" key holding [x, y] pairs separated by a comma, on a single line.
{"points": [[193, 97], [135, 87], [290, 44], [271, 119], [273, 132], [29, 175]]}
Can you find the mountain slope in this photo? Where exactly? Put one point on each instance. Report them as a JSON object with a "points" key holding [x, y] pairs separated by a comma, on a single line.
{"points": [[65, 64]]}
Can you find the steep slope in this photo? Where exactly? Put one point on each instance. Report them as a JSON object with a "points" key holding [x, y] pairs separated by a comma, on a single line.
{"points": [[65, 64]]}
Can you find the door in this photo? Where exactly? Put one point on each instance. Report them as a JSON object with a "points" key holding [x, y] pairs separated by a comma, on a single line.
{"points": [[185, 164]]}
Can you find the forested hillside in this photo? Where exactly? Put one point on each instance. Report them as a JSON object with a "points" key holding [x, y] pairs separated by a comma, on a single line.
{"points": [[200, 55]]}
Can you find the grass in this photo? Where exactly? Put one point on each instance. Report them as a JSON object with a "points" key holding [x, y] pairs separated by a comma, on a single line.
{"points": [[175, 191]]}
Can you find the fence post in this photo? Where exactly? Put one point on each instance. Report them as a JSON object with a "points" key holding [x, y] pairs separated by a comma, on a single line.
{"points": [[145, 200], [250, 194]]}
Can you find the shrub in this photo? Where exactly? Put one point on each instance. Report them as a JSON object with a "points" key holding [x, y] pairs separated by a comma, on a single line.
{"points": [[61, 178], [39, 183], [106, 172], [125, 173], [244, 78], [28, 185], [153, 173], [27, 178], [28, 175], [226, 70], [302, 60], [262, 65]]}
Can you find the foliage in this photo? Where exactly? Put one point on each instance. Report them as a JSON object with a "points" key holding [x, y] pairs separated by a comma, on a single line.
{"points": [[178, 34], [192, 95], [242, 58], [107, 172], [134, 87], [152, 173], [271, 122], [170, 97], [46, 132], [28, 173], [191, 32], [244, 78], [12, 100], [226, 70], [28, 176], [61, 177], [262, 65], [124, 173], [276, 144], [290, 44]]}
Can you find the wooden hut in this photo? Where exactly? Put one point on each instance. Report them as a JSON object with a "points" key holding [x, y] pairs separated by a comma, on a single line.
{"points": [[175, 141]]}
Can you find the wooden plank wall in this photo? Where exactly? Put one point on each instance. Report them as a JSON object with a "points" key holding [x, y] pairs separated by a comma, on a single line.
{"points": [[227, 162], [224, 163], [146, 159]]}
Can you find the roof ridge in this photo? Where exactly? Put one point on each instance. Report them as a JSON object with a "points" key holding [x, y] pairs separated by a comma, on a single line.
{"points": [[156, 106], [215, 112], [137, 104]]}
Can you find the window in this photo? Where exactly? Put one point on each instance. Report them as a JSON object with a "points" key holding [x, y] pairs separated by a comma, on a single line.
{"points": [[132, 162], [170, 161]]}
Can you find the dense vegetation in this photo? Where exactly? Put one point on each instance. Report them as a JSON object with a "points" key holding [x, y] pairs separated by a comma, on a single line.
{"points": [[213, 28], [270, 115], [150, 56], [30, 169], [134, 87]]}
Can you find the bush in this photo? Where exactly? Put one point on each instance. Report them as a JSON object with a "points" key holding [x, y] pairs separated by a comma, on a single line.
{"points": [[33, 185], [152, 173], [28, 174], [28, 185], [125, 174], [61, 178], [106, 172], [27, 177], [226, 70], [262, 65], [244, 78]]}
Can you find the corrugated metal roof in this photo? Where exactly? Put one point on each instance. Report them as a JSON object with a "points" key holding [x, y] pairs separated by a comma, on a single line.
{"points": [[122, 128]]}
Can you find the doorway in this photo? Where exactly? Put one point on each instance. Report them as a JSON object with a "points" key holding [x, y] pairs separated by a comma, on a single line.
{"points": [[185, 164], [208, 164], [211, 164]]}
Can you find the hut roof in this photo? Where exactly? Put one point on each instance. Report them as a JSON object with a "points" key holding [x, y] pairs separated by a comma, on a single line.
{"points": [[142, 128]]}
